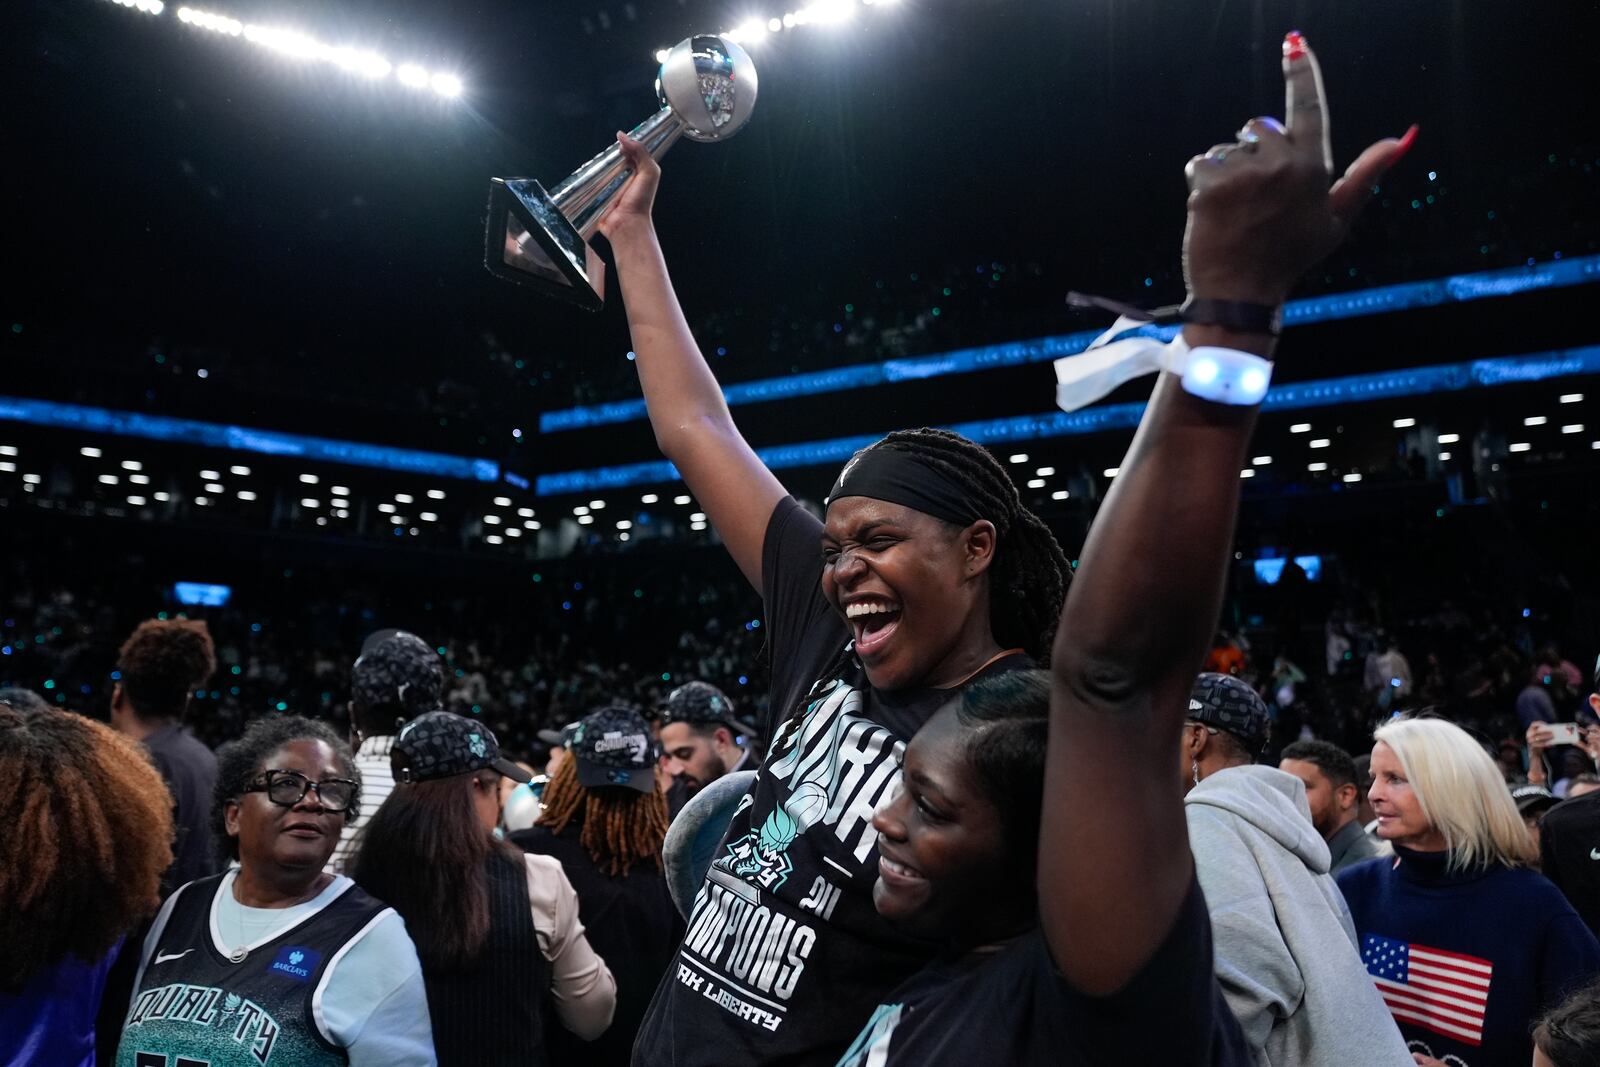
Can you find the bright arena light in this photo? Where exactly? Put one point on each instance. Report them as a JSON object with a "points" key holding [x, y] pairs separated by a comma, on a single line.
{"points": [[207, 20], [298, 45], [748, 32], [829, 10], [149, 7], [756, 29]]}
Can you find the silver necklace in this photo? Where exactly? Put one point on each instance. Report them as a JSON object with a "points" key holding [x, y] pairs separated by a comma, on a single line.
{"points": [[239, 950]]}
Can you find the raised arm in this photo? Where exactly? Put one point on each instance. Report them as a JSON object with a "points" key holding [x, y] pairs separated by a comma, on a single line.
{"points": [[1145, 598], [691, 421]]}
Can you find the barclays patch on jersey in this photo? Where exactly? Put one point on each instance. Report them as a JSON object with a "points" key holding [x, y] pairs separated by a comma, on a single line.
{"points": [[296, 961]]}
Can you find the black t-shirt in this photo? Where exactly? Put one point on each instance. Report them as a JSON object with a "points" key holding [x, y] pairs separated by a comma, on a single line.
{"points": [[630, 922], [785, 954], [1012, 1007], [190, 771], [1569, 847]]}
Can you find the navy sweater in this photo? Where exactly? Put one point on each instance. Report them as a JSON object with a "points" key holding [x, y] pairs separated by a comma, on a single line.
{"points": [[1466, 960]]}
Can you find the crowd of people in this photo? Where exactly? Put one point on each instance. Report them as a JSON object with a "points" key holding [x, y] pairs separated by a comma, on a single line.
{"points": [[995, 805]]}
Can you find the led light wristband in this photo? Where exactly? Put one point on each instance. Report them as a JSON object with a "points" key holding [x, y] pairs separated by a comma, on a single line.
{"points": [[1220, 375], [1223, 375]]}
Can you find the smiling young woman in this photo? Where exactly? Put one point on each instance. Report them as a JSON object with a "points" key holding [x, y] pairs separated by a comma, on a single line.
{"points": [[931, 574], [275, 956]]}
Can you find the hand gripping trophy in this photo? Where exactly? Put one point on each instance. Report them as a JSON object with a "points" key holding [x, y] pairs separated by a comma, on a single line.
{"points": [[707, 88]]}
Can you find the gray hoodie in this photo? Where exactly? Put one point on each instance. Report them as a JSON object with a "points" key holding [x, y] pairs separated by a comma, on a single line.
{"points": [[1286, 951]]}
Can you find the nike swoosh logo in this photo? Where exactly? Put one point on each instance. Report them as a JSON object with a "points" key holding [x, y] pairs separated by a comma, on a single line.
{"points": [[160, 958]]}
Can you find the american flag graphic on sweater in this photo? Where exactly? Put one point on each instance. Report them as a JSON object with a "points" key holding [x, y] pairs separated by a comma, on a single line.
{"points": [[1441, 991]]}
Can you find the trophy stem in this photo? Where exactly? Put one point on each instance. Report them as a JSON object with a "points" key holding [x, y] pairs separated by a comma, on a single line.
{"points": [[584, 196]]}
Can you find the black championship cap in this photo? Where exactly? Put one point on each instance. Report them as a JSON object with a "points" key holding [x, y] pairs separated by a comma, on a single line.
{"points": [[561, 738], [397, 669], [1223, 701], [699, 702], [613, 746], [439, 744]]}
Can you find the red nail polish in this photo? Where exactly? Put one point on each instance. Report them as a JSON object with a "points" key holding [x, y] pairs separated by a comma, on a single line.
{"points": [[1294, 45], [1407, 139]]}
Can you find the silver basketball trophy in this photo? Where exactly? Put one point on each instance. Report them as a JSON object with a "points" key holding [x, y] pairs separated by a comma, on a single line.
{"points": [[707, 89]]}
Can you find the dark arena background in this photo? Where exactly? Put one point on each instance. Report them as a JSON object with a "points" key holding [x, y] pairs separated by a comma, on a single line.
{"points": [[254, 370]]}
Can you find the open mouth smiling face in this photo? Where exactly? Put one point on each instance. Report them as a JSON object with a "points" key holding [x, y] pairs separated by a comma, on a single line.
{"points": [[902, 581], [873, 621]]}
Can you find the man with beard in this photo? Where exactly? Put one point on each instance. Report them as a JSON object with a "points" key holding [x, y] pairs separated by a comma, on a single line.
{"points": [[701, 741], [1333, 794]]}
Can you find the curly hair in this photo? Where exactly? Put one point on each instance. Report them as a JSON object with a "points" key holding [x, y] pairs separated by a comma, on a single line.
{"points": [[241, 760], [162, 662], [1029, 576], [85, 833], [621, 826]]}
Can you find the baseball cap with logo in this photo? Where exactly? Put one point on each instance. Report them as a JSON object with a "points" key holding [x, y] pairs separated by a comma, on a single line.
{"points": [[561, 738], [439, 744], [397, 669], [1223, 701], [700, 703], [613, 747]]}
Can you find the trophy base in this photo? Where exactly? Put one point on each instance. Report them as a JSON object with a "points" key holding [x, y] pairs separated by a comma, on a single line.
{"points": [[530, 242]]}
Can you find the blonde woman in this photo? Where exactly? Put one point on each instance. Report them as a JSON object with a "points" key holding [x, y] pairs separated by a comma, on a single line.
{"points": [[1467, 944]]}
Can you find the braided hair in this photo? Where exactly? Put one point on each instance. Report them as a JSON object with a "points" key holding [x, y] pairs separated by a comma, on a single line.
{"points": [[1028, 579], [621, 826]]}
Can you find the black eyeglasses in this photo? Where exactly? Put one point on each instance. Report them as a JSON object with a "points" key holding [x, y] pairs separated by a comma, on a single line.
{"points": [[288, 788]]}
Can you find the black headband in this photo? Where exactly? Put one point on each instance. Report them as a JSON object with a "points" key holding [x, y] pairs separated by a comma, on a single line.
{"points": [[901, 478]]}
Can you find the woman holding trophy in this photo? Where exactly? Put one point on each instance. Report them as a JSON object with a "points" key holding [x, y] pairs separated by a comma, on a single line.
{"points": [[934, 575]]}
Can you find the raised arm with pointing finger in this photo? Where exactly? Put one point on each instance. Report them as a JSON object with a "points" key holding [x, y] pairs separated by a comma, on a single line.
{"points": [[1145, 598]]}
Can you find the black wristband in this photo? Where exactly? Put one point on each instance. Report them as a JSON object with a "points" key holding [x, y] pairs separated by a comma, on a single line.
{"points": [[1233, 315]]}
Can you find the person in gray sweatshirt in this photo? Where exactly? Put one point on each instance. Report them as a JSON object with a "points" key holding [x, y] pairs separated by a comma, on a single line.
{"points": [[1286, 955]]}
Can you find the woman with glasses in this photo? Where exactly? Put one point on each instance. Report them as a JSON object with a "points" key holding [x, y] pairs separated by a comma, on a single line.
{"points": [[1466, 943], [275, 961]]}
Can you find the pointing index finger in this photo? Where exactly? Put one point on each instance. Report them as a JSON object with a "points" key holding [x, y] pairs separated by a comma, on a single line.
{"points": [[1305, 104]]}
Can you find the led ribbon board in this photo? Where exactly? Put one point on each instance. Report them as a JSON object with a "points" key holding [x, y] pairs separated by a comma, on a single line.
{"points": [[245, 439], [1326, 392], [1456, 289]]}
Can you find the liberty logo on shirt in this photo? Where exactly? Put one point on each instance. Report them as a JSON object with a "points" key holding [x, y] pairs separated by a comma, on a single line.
{"points": [[296, 962], [760, 856]]}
